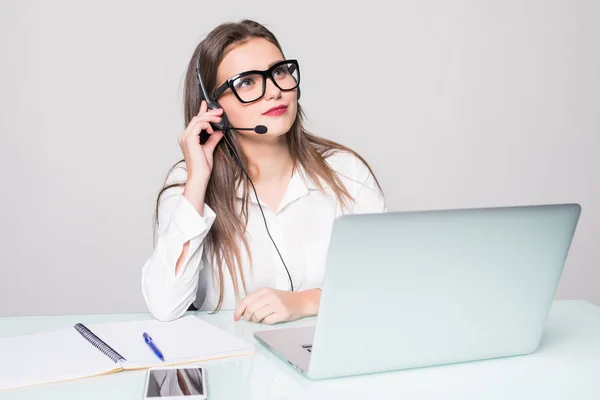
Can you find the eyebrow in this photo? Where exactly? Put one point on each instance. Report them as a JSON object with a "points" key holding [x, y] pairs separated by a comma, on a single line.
{"points": [[269, 66], [275, 62]]}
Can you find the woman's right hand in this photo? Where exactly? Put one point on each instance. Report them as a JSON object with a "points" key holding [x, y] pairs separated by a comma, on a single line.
{"points": [[199, 157]]}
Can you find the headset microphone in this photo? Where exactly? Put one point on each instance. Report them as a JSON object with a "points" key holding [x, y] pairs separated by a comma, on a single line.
{"points": [[258, 129]]}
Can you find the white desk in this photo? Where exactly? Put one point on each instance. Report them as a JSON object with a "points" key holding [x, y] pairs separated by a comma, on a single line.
{"points": [[567, 366]]}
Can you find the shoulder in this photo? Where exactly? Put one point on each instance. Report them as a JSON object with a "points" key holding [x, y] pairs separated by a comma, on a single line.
{"points": [[354, 172], [360, 182]]}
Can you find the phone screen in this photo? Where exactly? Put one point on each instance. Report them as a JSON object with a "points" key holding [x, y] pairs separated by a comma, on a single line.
{"points": [[170, 382]]}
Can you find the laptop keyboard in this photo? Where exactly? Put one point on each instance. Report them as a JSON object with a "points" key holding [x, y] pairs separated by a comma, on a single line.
{"points": [[308, 347]]}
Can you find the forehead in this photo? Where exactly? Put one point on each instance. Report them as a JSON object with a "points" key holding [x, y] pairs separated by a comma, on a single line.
{"points": [[255, 53]]}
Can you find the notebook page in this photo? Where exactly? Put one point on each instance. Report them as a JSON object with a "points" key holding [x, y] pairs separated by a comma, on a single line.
{"points": [[49, 357], [186, 339]]}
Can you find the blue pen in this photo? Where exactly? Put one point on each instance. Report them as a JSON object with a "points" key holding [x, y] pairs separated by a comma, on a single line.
{"points": [[155, 349]]}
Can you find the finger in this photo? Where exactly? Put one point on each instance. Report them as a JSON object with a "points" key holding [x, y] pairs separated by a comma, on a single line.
{"points": [[203, 107], [272, 319], [204, 118], [213, 140], [247, 315], [214, 111], [262, 313], [254, 307], [240, 309], [193, 124], [194, 132], [249, 299], [204, 110], [207, 116], [202, 124], [206, 127]]}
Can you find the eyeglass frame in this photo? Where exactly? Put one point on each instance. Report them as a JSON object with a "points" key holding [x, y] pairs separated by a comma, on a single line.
{"points": [[266, 74]]}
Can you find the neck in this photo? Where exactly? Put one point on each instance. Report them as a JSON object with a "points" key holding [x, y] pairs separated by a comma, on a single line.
{"points": [[268, 159]]}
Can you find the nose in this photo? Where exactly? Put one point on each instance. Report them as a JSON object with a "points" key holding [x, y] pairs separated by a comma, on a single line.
{"points": [[271, 90]]}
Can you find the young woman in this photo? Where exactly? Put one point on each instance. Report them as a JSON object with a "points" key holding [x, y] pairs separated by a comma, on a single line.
{"points": [[244, 220]]}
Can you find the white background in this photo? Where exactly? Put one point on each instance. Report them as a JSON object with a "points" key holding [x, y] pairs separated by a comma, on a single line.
{"points": [[454, 104]]}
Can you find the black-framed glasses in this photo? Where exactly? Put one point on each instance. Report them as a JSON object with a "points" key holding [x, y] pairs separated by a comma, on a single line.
{"points": [[250, 86]]}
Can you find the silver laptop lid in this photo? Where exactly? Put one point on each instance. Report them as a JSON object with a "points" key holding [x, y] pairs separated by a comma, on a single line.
{"points": [[413, 289]]}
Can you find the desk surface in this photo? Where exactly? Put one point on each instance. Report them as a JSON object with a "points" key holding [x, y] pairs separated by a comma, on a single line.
{"points": [[567, 365]]}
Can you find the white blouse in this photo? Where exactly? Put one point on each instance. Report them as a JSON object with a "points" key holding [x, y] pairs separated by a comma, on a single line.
{"points": [[301, 228]]}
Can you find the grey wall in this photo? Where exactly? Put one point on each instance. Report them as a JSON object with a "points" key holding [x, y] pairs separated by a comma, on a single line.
{"points": [[454, 104]]}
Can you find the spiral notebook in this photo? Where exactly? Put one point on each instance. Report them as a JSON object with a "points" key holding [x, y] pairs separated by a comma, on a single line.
{"points": [[91, 350]]}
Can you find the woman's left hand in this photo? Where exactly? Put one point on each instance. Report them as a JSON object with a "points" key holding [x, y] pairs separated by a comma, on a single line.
{"points": [[270, 306]]}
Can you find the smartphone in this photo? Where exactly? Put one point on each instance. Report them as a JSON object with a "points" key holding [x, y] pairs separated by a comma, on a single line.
{"points": [[176, 382]]}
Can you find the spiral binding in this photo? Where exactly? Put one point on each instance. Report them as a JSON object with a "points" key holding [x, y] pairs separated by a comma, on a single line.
{"points": [[98, 343]]}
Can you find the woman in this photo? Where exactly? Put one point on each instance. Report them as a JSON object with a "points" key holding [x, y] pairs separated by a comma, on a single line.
{"points": [[244, 220]]}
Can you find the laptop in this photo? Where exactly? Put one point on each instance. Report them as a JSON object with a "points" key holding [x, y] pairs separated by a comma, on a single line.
{"points": [[424, 288]]}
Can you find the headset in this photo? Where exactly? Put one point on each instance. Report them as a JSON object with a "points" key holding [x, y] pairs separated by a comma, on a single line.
{"points": [[225, 127]]}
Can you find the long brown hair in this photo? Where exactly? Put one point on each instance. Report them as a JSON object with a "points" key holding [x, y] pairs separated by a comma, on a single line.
{"points": [[306, 149]]}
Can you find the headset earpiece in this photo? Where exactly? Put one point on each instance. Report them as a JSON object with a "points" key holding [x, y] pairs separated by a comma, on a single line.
{"points": [[224, 125]]}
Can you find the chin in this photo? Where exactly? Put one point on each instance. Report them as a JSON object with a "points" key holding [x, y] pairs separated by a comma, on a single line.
{"points": [[278, 130], [279, 126]]}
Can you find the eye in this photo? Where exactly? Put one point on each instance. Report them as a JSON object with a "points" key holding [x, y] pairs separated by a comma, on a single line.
{"points": [[244, 83], [281, 71]]}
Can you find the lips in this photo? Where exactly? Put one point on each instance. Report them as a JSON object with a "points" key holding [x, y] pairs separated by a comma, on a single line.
{"points": [[277, 110]]}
